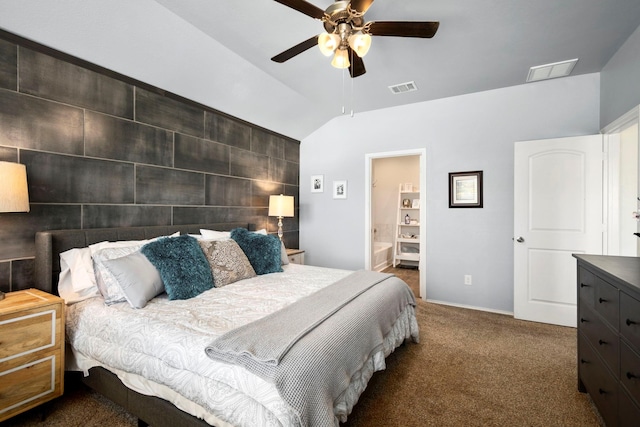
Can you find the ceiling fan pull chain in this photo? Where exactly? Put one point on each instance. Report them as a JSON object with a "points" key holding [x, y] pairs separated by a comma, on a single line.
{"points": [[343, 95], [351, 50]]}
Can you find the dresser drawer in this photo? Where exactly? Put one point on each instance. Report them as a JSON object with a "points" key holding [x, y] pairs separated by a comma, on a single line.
{"points": [[586, 286], [630, 319], [630, 371], [629, 412], [601, 385], [607, 302], [601, 337]]}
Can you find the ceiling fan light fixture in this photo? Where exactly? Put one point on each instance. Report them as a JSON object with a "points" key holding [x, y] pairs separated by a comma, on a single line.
{"points": [[360, 43], [328, 43], [341, 59]]}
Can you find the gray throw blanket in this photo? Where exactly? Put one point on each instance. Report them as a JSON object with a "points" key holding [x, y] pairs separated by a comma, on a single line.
{"points": [[311, 349]]}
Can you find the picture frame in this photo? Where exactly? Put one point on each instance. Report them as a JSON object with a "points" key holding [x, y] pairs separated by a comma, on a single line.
{"points": [[415, 203], [317, 183], [339, 189], [465, 189]]}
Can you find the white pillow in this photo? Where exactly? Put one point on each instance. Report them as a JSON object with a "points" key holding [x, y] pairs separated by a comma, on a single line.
{"points": [[215, 235], [77, 278]]}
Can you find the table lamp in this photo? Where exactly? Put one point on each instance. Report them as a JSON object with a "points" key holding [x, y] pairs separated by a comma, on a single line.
{"points": [[280, 206], [14, 195]]}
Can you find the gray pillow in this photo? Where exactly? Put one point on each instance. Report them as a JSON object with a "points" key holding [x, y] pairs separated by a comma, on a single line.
{"points": [[284, 259], [227, 261], [137, 277]]}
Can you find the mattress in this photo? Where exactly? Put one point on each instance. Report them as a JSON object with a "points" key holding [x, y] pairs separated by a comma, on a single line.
{"points": [[159, 350]]}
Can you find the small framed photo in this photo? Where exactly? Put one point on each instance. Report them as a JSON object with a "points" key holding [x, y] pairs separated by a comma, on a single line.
{"points": [[415, 204], [465, 189], [339, 189], [317, 183]]}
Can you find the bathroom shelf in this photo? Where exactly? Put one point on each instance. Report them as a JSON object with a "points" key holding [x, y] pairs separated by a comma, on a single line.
{"points": [[401, 244]]}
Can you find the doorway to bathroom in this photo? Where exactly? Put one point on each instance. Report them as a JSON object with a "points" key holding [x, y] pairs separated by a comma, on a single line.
{"points": [[387, 174]]}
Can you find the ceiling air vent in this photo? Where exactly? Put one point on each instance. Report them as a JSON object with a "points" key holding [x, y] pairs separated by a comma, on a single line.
{"points": [[551, 71], [403, 88]]}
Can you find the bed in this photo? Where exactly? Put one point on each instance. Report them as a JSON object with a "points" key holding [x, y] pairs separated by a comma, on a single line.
{"points": [[168, 362]]}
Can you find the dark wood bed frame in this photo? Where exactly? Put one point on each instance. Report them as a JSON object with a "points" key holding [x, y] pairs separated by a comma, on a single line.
{"points": [[149, 410]]}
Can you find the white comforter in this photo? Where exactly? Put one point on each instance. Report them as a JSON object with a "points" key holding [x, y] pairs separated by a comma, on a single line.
{"points": [[160, 349]]}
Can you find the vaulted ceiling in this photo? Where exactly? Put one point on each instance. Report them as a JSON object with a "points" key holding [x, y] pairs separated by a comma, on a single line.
{"points": [[218, 52]]}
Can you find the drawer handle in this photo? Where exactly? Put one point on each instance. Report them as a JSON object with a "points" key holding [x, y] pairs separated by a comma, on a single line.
{"points": [[583, 320], [601, 300], [601, 391], [582, 285], [631, 376], [584, 361], [601, 342], [630, 322]]}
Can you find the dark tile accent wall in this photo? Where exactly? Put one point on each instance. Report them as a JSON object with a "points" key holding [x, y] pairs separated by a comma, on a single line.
{"points": [[8, 65], [104, 150], [46, 77]]}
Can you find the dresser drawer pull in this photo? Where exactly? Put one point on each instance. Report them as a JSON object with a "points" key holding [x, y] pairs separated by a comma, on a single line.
{"points": [[601, 391], [584, 361], [601, 300], [630, 322], [631, 376], [602, 342], [583, 320], [583, 285]]}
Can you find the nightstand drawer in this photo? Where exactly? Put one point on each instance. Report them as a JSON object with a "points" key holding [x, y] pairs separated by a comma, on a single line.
{"points": [[32, 350], [296, 256], [29, 382], [27, 332]]}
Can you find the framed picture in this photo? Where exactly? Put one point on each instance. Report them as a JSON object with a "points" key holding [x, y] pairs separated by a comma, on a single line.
{"points": [[465, 189], [317, 183], [415, 204], [339, 189]]}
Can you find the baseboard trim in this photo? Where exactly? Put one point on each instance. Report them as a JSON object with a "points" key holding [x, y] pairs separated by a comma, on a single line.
{"points": [[471, 307]]}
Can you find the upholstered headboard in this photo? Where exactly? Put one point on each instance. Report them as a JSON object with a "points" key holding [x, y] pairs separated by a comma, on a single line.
{"points": [[49, 244]]}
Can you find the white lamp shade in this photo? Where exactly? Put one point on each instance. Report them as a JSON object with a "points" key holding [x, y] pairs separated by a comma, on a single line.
{"points": [[280, 205], [341, 59], [328, 43], [14, 195], [360, 43]]}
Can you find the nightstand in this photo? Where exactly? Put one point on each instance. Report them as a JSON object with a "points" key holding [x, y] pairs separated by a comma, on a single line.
{"points": [[32, 350], [296, 256]]}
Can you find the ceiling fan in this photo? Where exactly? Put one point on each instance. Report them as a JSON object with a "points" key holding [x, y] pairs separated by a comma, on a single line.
{"points": [[348, 33]]}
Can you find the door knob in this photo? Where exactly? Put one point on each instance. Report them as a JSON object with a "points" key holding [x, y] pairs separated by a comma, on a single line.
{"points": [[520, 239]]}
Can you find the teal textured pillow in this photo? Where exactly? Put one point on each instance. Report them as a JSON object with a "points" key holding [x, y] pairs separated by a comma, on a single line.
{"points": [[182, 265], [263, 251]]}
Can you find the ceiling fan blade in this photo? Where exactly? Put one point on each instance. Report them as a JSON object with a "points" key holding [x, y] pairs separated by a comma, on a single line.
{"points": [[403, 29], [296, 50], [361, 6], [356, 67], [304, 7]]}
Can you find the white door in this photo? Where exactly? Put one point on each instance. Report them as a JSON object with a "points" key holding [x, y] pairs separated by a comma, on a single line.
{"points": [[558, 212]]}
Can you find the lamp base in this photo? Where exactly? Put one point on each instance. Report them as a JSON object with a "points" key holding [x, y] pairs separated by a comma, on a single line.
{"points": [[280, 228]]}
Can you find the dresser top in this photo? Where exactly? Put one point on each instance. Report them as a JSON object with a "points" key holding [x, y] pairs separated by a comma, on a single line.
{"points": [[625, 269]]}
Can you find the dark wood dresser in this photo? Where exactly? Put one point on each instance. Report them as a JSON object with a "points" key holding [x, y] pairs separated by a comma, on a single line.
{"points": [[609, 336]]}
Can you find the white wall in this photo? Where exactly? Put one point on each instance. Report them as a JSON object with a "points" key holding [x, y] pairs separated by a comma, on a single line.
{"points": [[620, 91], [470, 132]]}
